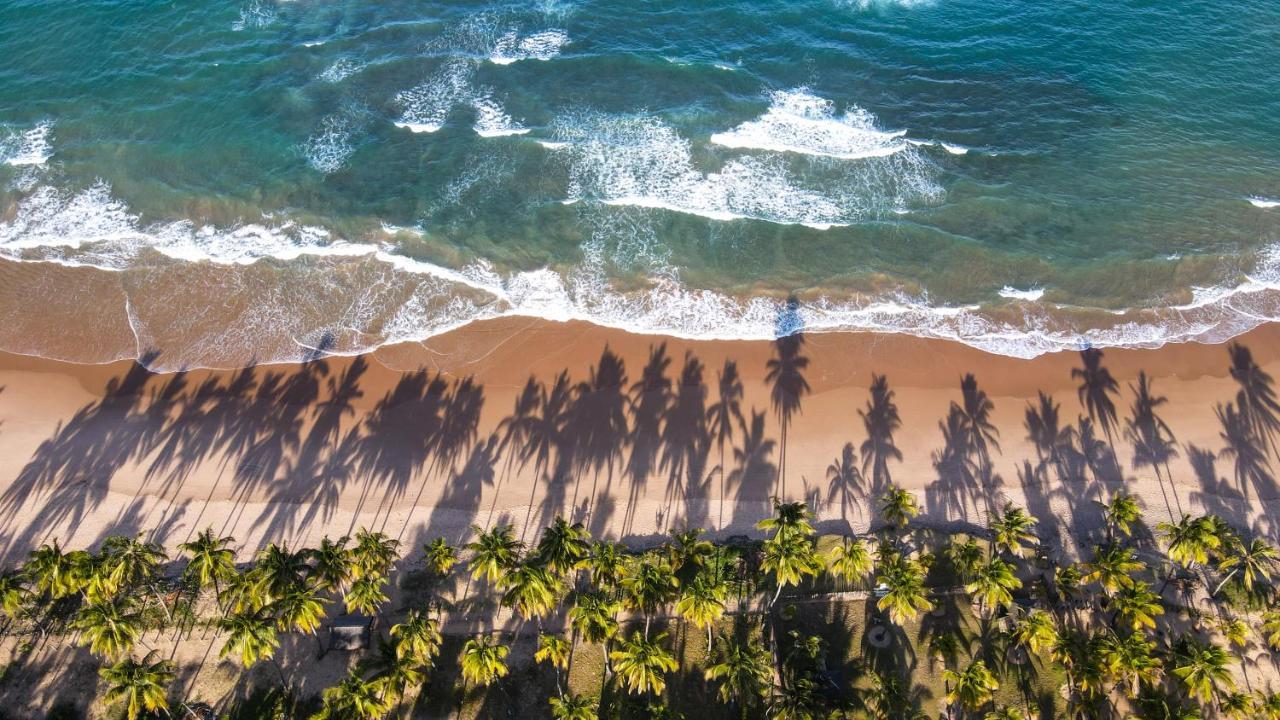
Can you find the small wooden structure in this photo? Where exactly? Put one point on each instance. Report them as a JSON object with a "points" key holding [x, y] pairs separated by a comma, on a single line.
{"points": [[350, 632]]}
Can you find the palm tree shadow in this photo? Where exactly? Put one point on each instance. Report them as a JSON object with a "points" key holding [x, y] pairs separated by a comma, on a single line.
{"points": [[785, 374]]}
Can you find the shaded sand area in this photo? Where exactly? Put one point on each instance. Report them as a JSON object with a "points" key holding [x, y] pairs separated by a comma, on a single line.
{"points": [[523, 419]]}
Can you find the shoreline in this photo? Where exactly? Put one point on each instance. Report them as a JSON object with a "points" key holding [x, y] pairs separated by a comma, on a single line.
{"points": [[92, 450]]}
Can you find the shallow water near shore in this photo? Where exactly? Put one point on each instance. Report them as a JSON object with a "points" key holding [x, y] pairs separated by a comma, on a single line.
{"points": [[239, 182]]}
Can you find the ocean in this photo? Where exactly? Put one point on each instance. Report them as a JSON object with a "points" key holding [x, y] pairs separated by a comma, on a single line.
{"points": [[232, 182]]}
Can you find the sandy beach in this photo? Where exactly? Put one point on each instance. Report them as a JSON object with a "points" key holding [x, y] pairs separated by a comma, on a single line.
{"points": [[417, 439]]}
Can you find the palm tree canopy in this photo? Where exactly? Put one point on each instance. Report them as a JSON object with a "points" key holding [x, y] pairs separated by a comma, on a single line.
{"points": [[898, 507], [494, 551], [439, 556], [140, 686], [484, 660], [972, 688], [563, 546], [417, 638], [210, 558], [250, 638], [642, 664], [573, 707], [553, 650], [742, 670]]}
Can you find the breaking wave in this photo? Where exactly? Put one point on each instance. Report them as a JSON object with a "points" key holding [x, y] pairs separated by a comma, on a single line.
{"points": [[642, 161], [426, 107], [370, 294], [800, 122], [25, 147]]}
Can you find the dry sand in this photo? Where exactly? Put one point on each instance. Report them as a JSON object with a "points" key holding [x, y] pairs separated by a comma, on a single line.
{"points": [[89, 451]]}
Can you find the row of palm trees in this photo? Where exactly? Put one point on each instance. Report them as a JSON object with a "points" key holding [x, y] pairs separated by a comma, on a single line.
{"points": [[1096, 621]]}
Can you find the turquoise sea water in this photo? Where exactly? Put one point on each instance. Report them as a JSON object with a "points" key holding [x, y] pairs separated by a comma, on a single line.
{"points": [[1021, 176]]}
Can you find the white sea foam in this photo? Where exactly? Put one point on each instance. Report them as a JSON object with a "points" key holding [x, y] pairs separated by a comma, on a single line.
{"points": [[382, 296], [643, 162], [255, 14], [1264, 203], [340, 70], [492, 120], [328, 148], [427, 106], [542, 45], [25, 147], [1013, 293], [799, 121]]}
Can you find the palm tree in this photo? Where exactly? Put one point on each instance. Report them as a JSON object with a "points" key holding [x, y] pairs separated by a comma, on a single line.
{"points": [[898, 507], [483, 660], [785, 374], [109, 628], [1234, 631], [439, 556], [702, 602], [1096, 388], [650, 584], [495, 551], [331, 565], [642, 664], [905, 596], [211, 560], [373, 554], [127, 562], [573, 707], [54, 572], [366, 594], [594, 618], [556, 652], [880, 420], [1136, 606], [605, 564], [789, 519], [1122, 513], [300, 610], [965, 557], [1112, 567], [242, 593], [1036, 632], [279, 571], [850, 560], [1190, 540], [141, 686], [13, 593], [250, 638], [796, 700], [1237, 705], [1202, 667], [1268, 704], [394, 674], [790, 558], [972, 688], [1013, 529], [417, 638], [563, 546], [1250, 563], [1270, 628], [1130, 660], [1007, 712], [742, 671], [354, 697], [992, 585], [723, 416], [530, 589]]}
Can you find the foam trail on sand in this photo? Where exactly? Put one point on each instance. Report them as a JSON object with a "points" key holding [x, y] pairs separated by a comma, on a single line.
{"points": [[799, 121], [25, 147]]}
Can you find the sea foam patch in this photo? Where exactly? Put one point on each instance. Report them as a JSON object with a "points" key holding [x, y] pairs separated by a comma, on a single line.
{"points": [[426, 107], [1264, 203], [28, 146], [641, 161], [542, 45], [800, 122]]}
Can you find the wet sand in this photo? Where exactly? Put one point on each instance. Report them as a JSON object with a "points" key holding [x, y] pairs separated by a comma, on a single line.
{"points": [[296, 452]]}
